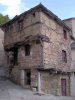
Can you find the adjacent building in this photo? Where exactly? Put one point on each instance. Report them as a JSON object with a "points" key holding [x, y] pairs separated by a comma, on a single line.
{"points": [[37, 45], [3, 60], [71, 23]]}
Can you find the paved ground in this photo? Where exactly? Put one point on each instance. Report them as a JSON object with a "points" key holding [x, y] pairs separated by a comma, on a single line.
{"points": [[10, 91]]}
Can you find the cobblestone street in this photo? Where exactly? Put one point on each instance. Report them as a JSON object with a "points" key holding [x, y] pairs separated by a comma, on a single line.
{"points": [[10, 91]]}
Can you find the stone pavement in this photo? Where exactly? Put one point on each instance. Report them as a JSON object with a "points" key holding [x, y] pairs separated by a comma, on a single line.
{"points": [[10, 91]]}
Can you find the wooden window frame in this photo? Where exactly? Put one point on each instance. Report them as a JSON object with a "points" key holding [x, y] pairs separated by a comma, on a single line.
{"points": [[64, 56]]}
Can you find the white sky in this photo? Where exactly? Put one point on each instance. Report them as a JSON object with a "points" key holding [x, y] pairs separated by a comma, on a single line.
{"points": [[13, 7]]}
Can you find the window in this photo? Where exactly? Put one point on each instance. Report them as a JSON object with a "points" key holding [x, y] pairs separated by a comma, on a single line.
{"points": [[6, 29], [14, 54], [65, 34], [37, 41], [64, 56], [28, 77], [20, 25], [11, 27], [27, 50], [33, 14]]}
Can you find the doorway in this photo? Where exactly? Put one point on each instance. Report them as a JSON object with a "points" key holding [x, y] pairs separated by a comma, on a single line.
{"points": [[28, 77], [63, 87]]}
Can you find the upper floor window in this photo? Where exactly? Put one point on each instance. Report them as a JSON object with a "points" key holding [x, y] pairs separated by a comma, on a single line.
{"points": [[27, 50], [14, 55], [20, 25], [37, 41], [33, 14], [65, 34], [64, 56], [6, 29], [9, 28]]}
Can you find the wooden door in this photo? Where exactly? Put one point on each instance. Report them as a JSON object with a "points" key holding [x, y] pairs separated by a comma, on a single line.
{"points": [[63, 87]]}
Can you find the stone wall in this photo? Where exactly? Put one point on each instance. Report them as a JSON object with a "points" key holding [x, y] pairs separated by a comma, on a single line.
{"points": [[51, 83], [31, 26], [34, 73], [34, 60], [52, 52], [16, 75]]}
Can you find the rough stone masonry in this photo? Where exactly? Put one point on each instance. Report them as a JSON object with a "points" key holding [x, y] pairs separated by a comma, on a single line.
{"points": [[37, 46]]}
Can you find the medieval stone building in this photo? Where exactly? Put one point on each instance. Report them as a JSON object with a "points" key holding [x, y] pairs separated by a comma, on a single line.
{"points": [[37, 45]]}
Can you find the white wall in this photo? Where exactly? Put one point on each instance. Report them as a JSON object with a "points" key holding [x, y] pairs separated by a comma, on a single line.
{"points": [[73, 84], [3, 60]]}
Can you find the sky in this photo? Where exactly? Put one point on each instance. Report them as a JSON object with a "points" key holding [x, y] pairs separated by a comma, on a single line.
{"points": [[62, 8]]}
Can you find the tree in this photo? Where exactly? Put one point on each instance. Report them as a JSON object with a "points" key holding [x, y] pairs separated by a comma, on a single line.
{"points": [[3, 19]]}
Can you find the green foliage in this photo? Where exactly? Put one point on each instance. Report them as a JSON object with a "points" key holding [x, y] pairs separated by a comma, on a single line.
{"points": [[3, 19]]}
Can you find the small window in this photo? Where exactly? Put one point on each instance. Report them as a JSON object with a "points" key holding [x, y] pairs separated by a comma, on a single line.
{"points": [[64, 56], [6, 29], [20, 25], [10, 28], [33, 14], [65, 34], [37, 41], [27, 50], [13, 56]]}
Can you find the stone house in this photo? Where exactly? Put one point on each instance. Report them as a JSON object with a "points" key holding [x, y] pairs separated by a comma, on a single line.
{"points": [[3, 60], [37, 45], [71, 23]]}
